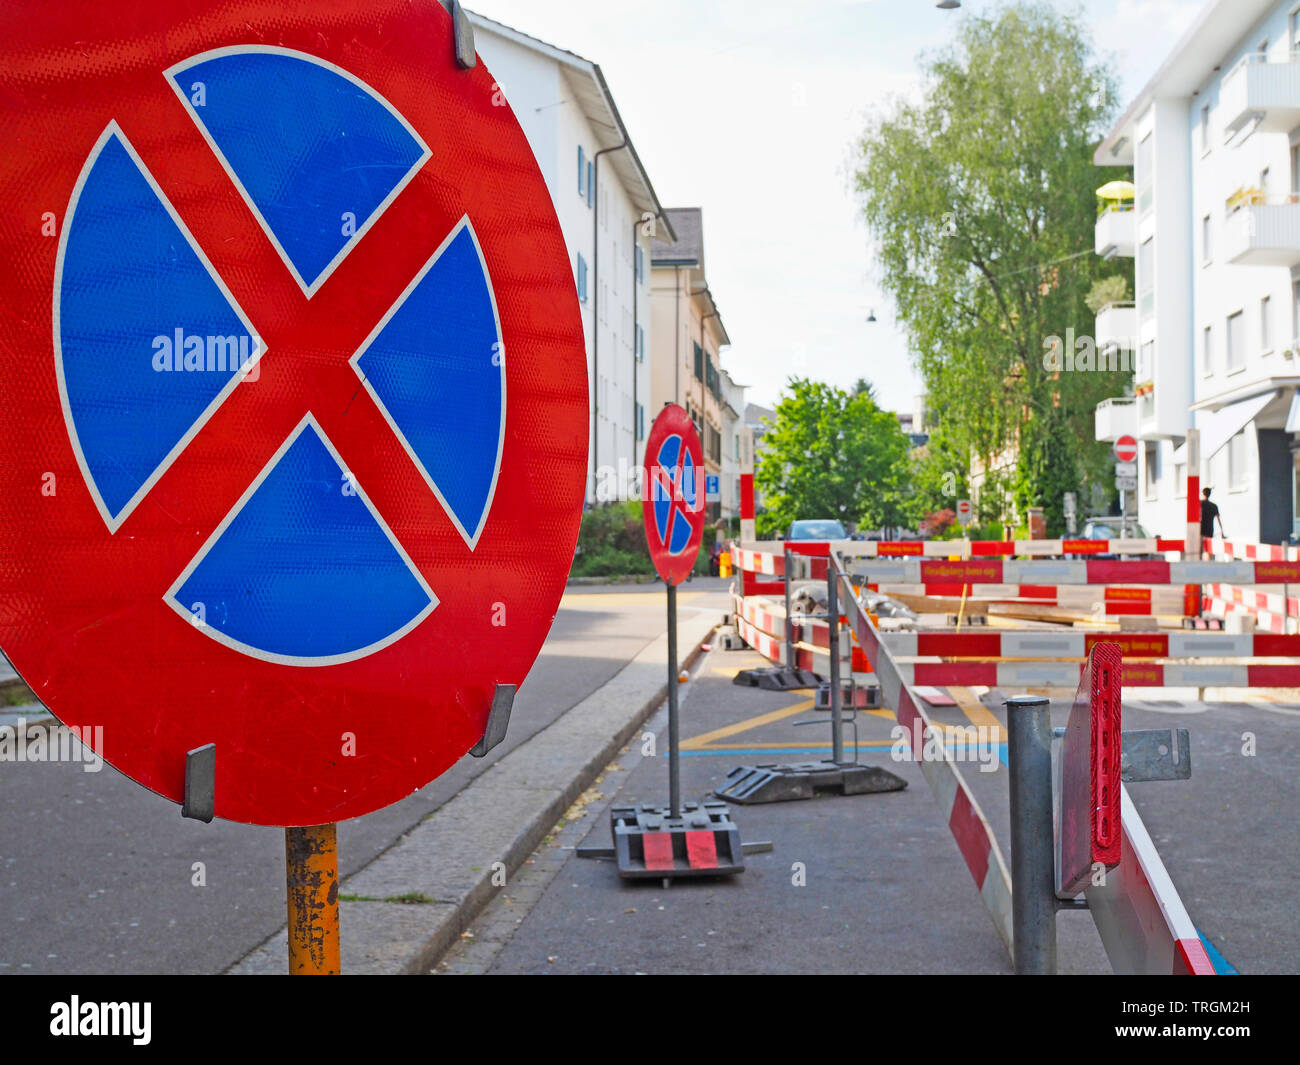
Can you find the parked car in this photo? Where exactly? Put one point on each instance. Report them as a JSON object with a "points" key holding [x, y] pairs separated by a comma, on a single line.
{"points": [[1114, 528], [816, 529]]}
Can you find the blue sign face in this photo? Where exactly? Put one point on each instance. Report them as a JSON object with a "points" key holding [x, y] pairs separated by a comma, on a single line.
{"points": [[150, 342], [712, 486], [673, 495]]}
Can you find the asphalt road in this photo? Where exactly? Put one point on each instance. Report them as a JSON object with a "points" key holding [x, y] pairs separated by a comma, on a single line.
{"points": [[883, 888], [97, 875]]}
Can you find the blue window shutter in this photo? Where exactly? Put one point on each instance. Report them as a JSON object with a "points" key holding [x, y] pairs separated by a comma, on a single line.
{"points": [[582, 173], [591, 185]]}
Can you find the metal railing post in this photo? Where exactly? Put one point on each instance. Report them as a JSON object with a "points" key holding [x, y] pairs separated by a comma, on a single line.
{"points": [[1033, 872], [833, 622], [789, 617]]}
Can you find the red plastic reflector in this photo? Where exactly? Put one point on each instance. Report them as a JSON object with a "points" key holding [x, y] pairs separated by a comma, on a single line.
{"points": [[702, 849], [658, 848]]}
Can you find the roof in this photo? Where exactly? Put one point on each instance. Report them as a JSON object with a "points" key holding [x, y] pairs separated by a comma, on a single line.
{"points": [[1214, 34], [687, 249], [597, 103]]}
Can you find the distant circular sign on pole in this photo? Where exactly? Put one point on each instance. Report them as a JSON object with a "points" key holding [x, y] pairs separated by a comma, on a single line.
{"points": [[673, 494], [1126, 449], [294, 390], [964, 511]]}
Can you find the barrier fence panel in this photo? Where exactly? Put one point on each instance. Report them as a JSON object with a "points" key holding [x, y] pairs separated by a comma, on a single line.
{"points": [[1141, 919]]}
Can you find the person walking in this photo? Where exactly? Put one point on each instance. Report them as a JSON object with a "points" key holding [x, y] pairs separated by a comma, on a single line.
{"points": [[1209, 512]]}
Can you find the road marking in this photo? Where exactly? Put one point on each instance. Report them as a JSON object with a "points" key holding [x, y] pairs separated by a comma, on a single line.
{"points": [[976, 711], [696, 742]]}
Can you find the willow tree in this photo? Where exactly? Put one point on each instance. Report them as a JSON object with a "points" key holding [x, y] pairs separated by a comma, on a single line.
{"points": [[980, 198]]}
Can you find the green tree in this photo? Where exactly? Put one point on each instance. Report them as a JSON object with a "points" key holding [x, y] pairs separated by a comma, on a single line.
{"points": [[832, 454], [981, 200]]}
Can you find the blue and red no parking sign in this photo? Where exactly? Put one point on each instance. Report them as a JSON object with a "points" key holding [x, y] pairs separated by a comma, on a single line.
{"points": [[294, 397], [673, 494]]}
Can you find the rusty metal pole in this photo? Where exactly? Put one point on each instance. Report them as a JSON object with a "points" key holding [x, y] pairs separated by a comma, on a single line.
{"points": [[311, 861]]}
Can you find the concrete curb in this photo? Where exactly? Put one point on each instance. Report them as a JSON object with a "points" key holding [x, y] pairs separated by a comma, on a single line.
{"points": [[449, 859]]}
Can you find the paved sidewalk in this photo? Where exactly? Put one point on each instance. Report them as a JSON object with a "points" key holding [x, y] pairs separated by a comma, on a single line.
{"points": [[402, 911]]}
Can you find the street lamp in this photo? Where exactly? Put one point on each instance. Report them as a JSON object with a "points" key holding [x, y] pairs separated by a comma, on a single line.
{"points": [[872, 316]]}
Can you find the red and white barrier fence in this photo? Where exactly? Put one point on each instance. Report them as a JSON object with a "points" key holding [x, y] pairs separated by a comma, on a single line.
{"points": [[1104, 850], [1137, 674], [1077, 645], [1140, 918]]}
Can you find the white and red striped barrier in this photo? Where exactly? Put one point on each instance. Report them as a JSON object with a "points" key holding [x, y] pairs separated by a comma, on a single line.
{"points": [[1137, 674], [1051, 573], [1140, 918], [969, 827], [1264, 619], [1077, 645], [1251, 552], [1102, 601]]}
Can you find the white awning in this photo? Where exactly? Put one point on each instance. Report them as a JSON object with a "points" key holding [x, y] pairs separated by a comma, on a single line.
{"points": [[1293, 417], [1221, 426]]}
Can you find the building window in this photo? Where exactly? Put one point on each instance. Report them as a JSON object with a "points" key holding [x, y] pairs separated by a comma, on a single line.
{"points": [[1146, 274], [1265, 333], [1235, 349], [1145, 176], [1237, 462], [1205, 128], [1295, 311], [1180, 480], [1207, 351], [737, 447], [1152, 468], [1206, 243], [699, 363], [582, 278]]}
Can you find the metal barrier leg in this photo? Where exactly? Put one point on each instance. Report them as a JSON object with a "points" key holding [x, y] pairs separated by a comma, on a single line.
{"points": [[1033, 875], [790, 660], [833, 621]]}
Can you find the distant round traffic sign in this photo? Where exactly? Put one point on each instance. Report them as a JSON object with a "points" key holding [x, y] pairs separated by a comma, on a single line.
{"points": [[673, 494], [294, 398], [1126, 449]]}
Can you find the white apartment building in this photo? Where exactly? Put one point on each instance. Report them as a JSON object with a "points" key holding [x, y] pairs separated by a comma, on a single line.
{"points": [[1214, 139], [608, 212], [732, 406]]}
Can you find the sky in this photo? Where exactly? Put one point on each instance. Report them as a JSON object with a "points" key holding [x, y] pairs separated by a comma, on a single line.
{"points": [[750, 109]]}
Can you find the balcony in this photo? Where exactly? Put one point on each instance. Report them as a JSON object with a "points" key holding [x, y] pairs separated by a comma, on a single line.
{"points": [[1263, 233], [1117, 326], [1116, 234], [1264, 93], [1116, 417]]}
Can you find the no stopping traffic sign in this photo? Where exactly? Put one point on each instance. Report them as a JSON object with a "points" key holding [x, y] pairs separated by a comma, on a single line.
{"points": [[295, 393]]}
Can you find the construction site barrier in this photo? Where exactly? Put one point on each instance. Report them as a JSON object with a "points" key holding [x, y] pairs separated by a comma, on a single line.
{"points": [[1139, 916]]}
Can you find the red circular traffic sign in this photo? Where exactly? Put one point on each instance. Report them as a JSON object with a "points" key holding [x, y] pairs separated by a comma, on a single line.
{"points": [[673, 494], [325, 558], [1126, 449]]}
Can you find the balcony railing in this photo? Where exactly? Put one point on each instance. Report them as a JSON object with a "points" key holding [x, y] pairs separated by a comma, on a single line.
{"points": [[1116, 417], [1262, 231], [1261, 90], [1116, 233], [1117, 326]]}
